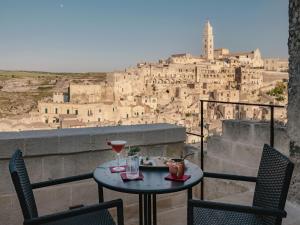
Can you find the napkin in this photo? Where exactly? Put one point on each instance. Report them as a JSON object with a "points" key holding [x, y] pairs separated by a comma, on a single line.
{"points": [[182, 179], [125, 178]]}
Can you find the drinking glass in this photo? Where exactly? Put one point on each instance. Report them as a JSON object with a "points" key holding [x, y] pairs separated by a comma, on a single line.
{"points": [[132, 168], [176, 168], [117, 146]]}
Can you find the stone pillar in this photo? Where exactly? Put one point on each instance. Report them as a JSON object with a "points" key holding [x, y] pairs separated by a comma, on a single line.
{"points": [[294, 95]]}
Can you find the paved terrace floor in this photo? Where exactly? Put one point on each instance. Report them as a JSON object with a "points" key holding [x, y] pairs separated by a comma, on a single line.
{"points": [[177, 215]]}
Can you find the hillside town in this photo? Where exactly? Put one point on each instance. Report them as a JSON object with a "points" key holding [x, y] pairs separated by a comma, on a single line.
{"points": [[169, 91]]}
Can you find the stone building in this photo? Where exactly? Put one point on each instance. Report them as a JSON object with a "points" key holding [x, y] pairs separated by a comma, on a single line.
{"points": [[248, 79], [252, 58], [276, 64], [220, 52], [166, 91]]}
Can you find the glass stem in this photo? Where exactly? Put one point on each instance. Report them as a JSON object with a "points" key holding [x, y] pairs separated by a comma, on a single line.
{"points": [[118, 156]]}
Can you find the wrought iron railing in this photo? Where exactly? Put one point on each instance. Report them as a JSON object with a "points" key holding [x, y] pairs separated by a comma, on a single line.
{"points": [[201, 135]]}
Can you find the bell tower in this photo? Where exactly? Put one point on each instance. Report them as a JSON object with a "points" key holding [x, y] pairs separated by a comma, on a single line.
{"points": [[208, 41]]}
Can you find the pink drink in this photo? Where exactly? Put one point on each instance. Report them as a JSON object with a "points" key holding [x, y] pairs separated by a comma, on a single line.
{"points": [[117, 146]]}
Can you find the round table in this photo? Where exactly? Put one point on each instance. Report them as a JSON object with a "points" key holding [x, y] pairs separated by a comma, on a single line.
{"points": [[153, 183]]}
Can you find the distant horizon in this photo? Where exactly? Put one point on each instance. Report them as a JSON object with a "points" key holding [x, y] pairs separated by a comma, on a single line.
{"points": [[46, 71], [54, 72], [75, 37]]}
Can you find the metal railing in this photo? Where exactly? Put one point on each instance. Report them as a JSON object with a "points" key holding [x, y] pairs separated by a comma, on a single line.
{"points": [[201, 135]]}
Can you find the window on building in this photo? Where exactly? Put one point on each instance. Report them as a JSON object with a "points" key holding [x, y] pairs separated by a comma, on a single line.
{"points": [[46, 110], [56, 110], [68, 111], [76, 112]]}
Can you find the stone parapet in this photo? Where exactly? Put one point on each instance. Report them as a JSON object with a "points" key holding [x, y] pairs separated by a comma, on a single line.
{"points": [[68, 141]]}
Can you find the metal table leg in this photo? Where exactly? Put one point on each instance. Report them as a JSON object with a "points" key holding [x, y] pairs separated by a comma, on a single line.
{"points": [[147, 209], [154, 209], [145, 196], [141, 208]]}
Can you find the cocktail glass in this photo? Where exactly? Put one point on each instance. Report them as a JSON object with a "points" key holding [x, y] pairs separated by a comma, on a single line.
{"points": [[117, 146]]}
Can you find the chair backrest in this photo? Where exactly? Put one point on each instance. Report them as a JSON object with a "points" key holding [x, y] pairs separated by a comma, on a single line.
{"points": [[273, 179], [22, 185]]}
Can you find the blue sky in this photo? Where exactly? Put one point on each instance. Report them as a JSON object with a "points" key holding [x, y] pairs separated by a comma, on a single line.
{"points": [[98, 35]]}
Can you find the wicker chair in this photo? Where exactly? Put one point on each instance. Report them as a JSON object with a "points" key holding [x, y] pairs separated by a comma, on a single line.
{"points": [[89, 215], [272, 184]]}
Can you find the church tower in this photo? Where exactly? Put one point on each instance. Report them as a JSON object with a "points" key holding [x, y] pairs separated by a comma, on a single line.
{"points": [[208, 42]]}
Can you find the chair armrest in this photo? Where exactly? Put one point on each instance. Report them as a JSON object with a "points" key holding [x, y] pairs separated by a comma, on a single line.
{"points": [[237, 208], [61, 180], [230, 177], [80, 211]]}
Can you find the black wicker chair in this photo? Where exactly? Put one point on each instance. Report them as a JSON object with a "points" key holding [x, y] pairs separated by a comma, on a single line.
{"points": [[89, 215], [272, 184]]}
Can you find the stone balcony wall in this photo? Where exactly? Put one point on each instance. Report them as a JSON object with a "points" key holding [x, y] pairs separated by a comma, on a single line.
{"points": [[67, 152], [238, 151]]}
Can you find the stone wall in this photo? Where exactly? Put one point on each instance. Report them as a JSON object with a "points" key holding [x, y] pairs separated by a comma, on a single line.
{"points": [[294, 94], [238, 151], [66, 152]]}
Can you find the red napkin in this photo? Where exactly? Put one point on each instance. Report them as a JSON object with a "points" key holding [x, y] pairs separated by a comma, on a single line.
{"points": [[112, 169], [125, 178], [182, 179]]}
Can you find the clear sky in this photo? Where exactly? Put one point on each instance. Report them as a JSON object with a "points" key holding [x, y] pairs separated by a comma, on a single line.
{"points": [[98, 35]]}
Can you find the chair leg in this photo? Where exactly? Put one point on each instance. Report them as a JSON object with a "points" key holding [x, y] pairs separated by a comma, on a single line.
{"points": [[100, 194]]}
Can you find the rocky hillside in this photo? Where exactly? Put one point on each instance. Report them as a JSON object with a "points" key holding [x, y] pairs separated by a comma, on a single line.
{"points": [[21, 90]]}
